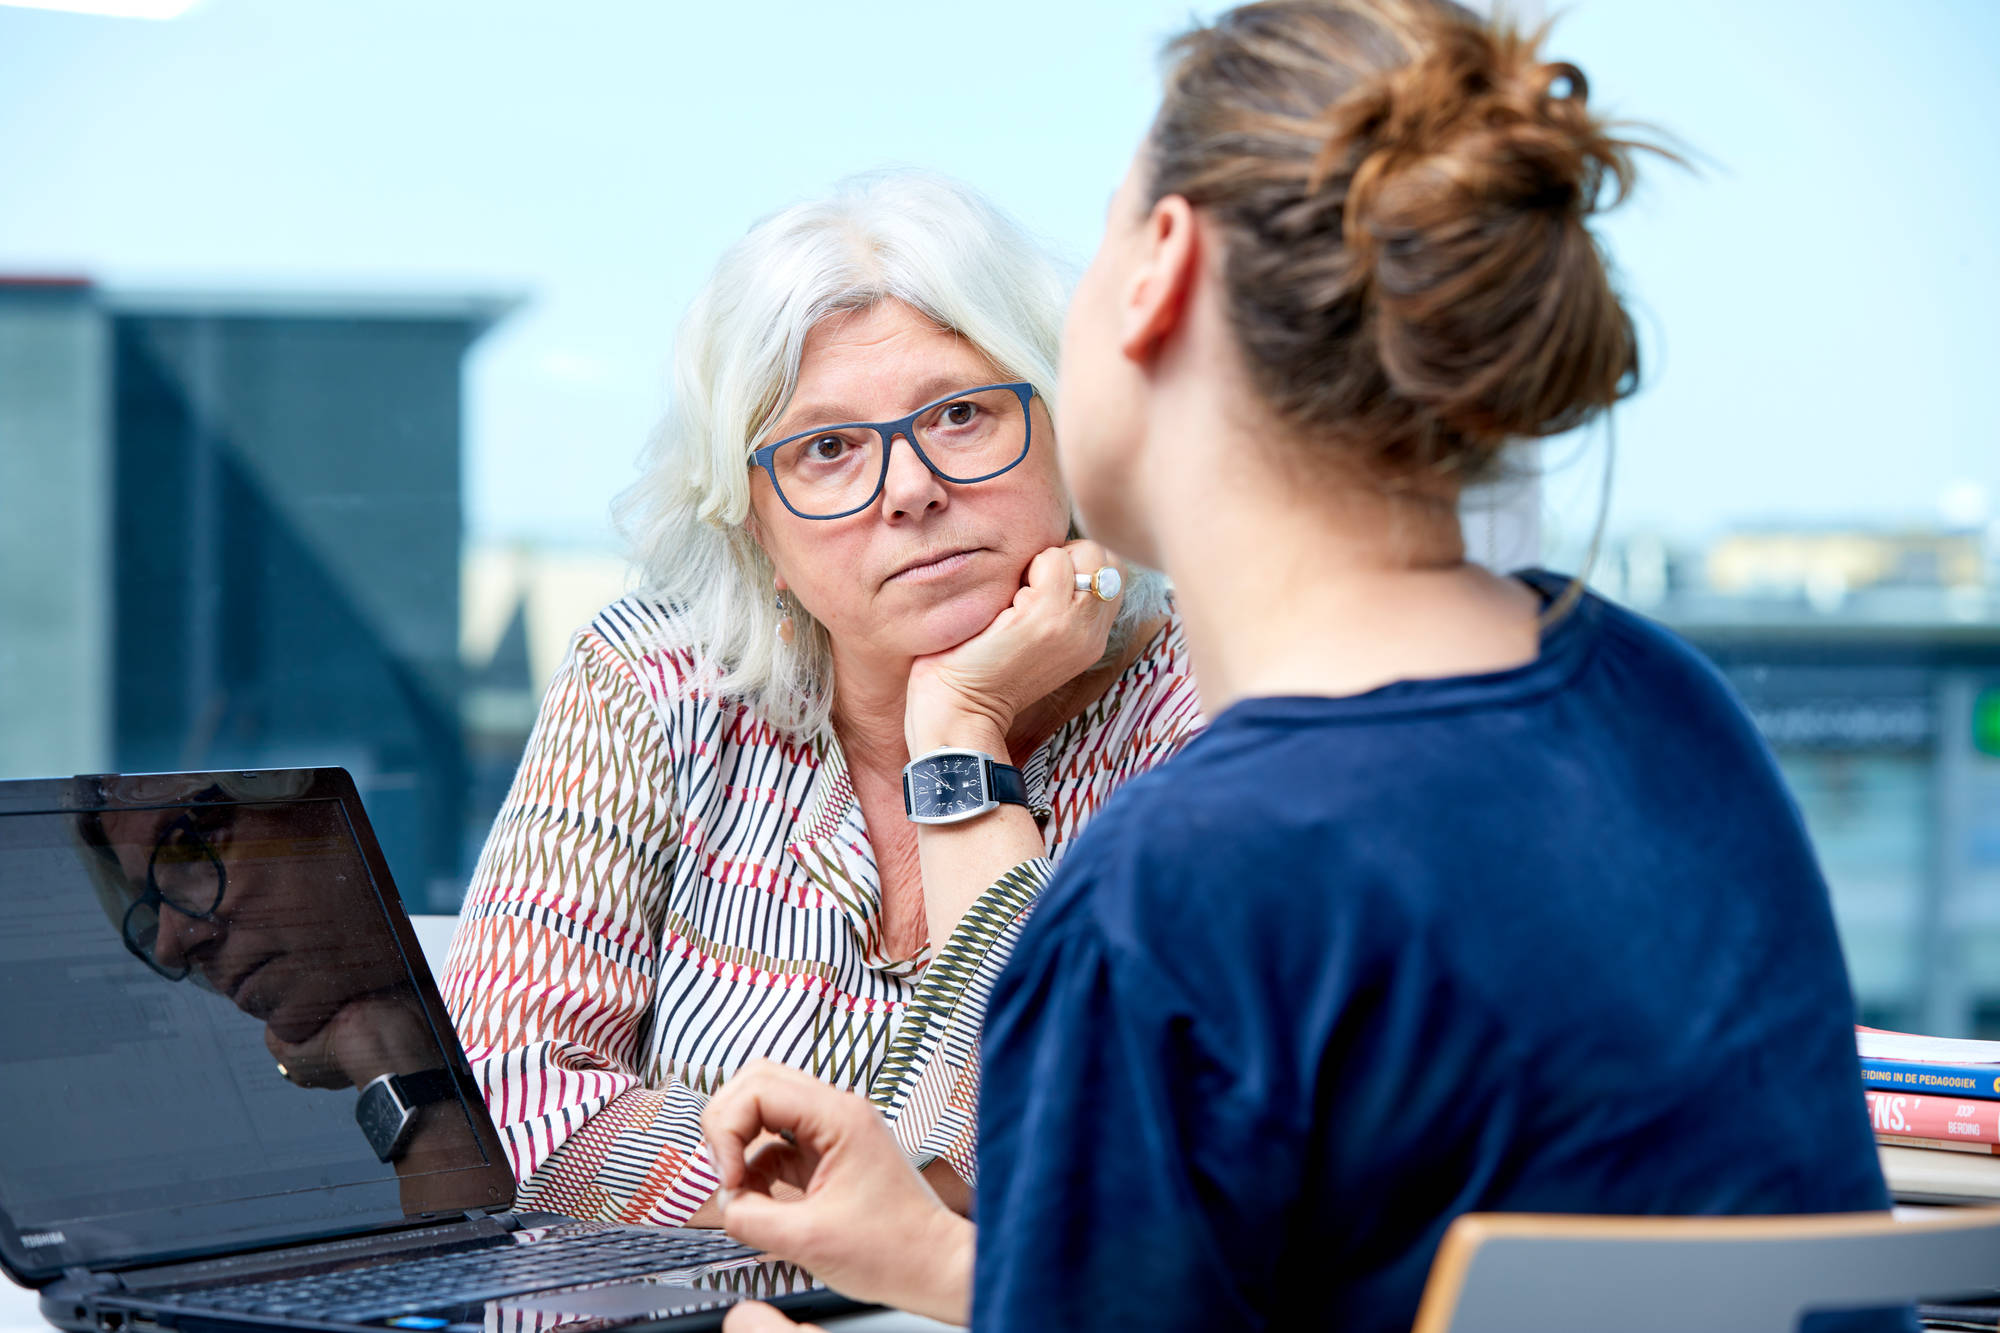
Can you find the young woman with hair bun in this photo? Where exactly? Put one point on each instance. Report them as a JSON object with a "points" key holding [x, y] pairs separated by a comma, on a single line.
{"points": [[1479, 893]]}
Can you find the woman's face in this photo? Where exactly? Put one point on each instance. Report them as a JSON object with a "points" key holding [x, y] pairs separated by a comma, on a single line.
{"points": [[930, 563], [1103, 390], [293, 894]]}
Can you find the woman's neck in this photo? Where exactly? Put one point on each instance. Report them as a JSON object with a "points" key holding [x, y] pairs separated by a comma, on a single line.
{"points": [[869, 696], [1293, 584]]}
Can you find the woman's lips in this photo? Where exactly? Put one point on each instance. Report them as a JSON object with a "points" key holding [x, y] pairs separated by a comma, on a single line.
{"points": [[942, 567]]}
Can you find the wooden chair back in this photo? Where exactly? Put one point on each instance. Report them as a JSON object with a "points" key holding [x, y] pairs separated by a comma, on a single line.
{"points": [[1535, 1273]]}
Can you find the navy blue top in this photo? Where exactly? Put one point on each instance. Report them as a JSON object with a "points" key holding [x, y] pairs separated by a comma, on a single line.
{"points": [[1551, 939]]}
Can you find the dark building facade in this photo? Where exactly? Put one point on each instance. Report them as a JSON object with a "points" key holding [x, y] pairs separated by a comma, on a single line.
{"points": [[279, 526]]}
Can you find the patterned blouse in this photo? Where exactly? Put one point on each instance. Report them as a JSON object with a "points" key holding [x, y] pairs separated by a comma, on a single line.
{"points": [[673, 887]]}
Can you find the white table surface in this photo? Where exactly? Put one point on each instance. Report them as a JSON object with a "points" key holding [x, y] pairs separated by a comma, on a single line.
{"points": [[20, 1314]]}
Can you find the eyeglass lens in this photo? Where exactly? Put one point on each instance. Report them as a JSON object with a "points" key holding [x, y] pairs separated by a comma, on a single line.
{"points": [[838, 469], [185, 874]]}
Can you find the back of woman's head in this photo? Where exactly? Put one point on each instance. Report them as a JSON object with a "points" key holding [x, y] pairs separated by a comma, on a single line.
{"points": [[1402, 190]]}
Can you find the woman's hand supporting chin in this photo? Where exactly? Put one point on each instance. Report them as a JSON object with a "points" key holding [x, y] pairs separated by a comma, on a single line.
{"points": [[973, 694]]}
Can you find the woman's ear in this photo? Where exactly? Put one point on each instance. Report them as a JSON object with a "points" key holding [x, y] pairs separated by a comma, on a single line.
{"points": [[1161, 279]]}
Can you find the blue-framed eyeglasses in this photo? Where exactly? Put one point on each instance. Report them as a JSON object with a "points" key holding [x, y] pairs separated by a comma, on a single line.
{"points": [[966, 437]]}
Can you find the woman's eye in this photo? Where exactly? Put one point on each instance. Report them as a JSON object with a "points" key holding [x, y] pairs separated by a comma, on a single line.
{"points": [[826, 448], [960, 414]]}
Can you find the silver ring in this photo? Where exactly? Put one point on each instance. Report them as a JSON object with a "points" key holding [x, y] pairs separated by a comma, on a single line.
{"points": [[1104, 585]]}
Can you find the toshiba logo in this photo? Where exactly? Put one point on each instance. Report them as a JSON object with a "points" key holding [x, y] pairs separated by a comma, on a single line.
{"points": [[35, 1239]]}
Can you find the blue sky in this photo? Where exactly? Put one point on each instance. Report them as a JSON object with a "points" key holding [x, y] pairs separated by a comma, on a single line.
{"points": [[1817, 298]]}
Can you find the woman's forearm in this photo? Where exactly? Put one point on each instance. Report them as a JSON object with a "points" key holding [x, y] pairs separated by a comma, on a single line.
{"points": [[961, 861]]}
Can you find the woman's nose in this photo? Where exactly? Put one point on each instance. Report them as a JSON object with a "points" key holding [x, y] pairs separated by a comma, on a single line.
{"points": [[180, 935], [910, 487]]}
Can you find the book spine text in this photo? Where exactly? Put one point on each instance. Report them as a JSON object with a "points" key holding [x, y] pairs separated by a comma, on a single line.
{"points": [[1954, 1119], [1975, 1081]]}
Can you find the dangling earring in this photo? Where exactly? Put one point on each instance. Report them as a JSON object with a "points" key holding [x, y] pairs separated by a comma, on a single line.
{"points": [[786, 630]]}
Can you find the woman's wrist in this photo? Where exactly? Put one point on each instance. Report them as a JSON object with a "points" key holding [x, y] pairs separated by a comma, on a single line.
{"points": [[959, 729], [944, 1289]]}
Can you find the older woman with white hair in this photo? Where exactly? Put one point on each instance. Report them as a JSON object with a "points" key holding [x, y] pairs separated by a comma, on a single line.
{"points": [[794, 798]]}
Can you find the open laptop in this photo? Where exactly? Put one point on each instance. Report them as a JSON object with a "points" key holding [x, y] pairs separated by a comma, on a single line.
{"points": [[230, 1096]]}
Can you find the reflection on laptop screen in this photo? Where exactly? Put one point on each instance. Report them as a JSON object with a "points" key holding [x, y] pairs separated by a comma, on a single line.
{"points": [[195, 992]]}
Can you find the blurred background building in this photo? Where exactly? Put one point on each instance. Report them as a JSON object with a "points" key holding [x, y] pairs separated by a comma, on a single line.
{"points": [[233, 540]]}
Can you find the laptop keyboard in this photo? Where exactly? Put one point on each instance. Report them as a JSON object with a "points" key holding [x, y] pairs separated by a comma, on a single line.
{"points": [[462, 1277]]}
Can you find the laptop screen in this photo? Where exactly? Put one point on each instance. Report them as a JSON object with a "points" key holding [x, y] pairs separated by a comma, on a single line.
{"points": [[199, 974]]}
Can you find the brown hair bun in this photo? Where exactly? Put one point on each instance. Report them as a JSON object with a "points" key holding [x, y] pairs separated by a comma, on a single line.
{"points": [[1403, 191]]}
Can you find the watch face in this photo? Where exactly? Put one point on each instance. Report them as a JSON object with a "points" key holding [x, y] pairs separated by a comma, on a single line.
{"points": [[949, 784], [382, 1119]]}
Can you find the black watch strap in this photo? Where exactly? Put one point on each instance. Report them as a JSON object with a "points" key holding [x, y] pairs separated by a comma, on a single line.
{"points": [[425, 1086], [1004, 783]]}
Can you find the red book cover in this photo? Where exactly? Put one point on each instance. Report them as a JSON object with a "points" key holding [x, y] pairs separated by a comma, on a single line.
{"points": [[1916, 1116]]}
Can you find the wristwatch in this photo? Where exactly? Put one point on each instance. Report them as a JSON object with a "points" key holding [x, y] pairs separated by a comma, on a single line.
{"points": [[387, 1111], [948, 785]]}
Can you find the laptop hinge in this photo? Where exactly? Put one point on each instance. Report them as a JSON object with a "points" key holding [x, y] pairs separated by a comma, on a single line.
{"points": [[506, 1218]]}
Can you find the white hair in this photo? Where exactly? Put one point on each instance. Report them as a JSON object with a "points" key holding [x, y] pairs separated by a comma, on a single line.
{"points": [[922, 239]]}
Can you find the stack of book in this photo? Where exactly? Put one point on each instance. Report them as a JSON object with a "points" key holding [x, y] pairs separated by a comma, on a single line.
{"points": [[1935, 1102], [1932, 1092]]}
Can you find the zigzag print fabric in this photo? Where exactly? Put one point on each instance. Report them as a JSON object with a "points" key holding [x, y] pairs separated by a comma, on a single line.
{"points": [[673, 888]]}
